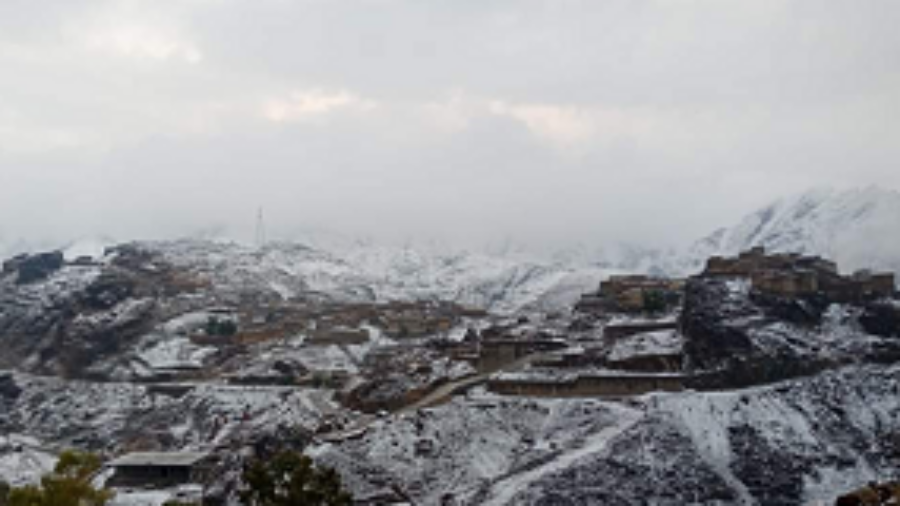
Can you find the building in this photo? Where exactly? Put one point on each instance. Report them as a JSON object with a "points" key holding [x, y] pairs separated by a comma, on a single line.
{"points": [[497, 353], [633, 294], [792, 275], [160, 469]]}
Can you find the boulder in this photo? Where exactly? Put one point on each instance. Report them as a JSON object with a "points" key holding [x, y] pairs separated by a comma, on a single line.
{"points": [[881, 319], [37, 267]]}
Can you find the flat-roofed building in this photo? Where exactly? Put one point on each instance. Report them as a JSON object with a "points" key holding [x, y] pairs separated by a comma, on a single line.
{"points": [[159, 469]]}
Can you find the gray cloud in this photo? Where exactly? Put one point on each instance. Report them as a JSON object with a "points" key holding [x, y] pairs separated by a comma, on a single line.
{"points": [[550, 121]]}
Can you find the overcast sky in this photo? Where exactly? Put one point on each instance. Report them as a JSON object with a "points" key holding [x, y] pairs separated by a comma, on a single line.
{"points": [[642, 121]]}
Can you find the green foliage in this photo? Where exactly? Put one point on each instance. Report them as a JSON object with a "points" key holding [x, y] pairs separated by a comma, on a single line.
{"points": [[289, 479], [4, 493], [655, 301], [216, 327], [68, 485]]}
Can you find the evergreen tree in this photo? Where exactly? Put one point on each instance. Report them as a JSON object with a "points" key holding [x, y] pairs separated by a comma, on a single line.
{"points": [[291, 479], [68, 485], [5, 489]]}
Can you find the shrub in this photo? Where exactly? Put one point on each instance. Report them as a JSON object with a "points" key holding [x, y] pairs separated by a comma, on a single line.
{"points": [[68, 485], [291, 478]]}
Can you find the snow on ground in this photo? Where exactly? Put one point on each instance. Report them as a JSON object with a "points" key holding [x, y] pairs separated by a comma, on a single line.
{"points": [[23, 461], [191, 322], [178, 352], [182, 494], [625, 319], [141, 498], [60, 285], [503, 491], [462, 446], [367, 272], [663, 342], [320, 358], [93, 248], [797, 442], [97, 415]]}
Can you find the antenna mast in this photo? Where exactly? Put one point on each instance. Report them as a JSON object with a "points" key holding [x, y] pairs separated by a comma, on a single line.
{"points": [[260, 229]]}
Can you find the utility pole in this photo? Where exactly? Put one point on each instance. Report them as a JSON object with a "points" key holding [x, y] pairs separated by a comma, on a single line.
{"points": [[260, 229]]}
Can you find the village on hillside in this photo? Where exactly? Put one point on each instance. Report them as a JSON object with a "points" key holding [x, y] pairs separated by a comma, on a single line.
{"points": [[372, 361]]}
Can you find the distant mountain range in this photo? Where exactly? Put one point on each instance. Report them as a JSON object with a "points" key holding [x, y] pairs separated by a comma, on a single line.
{"points": [[857, 228]]}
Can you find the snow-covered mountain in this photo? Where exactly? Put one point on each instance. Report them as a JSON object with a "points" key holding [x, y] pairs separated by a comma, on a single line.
{"points": [[857, 228], [368, 271]]}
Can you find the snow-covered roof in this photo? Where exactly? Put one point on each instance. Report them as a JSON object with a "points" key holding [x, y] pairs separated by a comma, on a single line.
{"points": [[173, 459]]}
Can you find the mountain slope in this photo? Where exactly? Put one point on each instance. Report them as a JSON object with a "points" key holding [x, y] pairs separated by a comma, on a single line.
{"points": [[797, 442], [368, 272], [857, 228]]}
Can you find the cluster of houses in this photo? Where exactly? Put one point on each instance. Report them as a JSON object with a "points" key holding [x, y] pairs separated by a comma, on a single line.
{"points": [[326, 324], [634, 294], [793, 275], [640, 348]]}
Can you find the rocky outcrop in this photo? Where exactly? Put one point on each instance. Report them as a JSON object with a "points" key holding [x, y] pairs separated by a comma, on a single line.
{"points": [[710, 341], [67, 319], [32, 268], [736, 338], [881, 319]]}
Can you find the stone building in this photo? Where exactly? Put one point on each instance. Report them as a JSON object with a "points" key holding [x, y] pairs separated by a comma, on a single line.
{"points": [[633, 294], [793, 275], [497, 353]]}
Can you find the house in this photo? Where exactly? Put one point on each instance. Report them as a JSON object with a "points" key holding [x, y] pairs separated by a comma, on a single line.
{"points": [[633, 294], [159, 469], [791, 275], [497, 353]]}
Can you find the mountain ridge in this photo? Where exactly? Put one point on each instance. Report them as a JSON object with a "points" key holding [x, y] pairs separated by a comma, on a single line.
{"points": [[508, 277]]}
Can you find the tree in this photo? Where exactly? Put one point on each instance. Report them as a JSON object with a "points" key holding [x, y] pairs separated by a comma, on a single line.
{"points": [[68, 485], [290, 479], [220, 328], [655, 301], [4, 493]]}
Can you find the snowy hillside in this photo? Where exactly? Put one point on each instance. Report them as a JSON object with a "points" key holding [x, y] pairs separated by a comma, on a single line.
{"points": [[376, 272], [797, 442], [856, 228]]}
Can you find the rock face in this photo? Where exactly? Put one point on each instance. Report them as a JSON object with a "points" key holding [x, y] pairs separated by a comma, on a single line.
{"points": [[33, 268], [736, 338], [881, 319], [68, 318]]}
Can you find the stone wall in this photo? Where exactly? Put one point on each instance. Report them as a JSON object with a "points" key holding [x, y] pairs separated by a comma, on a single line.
{"points": [[616, 332], [588, 386]]}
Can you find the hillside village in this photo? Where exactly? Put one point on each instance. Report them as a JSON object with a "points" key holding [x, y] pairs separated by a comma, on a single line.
{"points": [[358, 363]]}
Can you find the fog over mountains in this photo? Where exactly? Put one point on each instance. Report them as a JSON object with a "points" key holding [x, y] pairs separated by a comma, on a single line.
{"points": [[854, 227]]}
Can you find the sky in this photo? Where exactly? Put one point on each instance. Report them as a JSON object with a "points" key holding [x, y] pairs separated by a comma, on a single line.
{"points": [[556, 122]]}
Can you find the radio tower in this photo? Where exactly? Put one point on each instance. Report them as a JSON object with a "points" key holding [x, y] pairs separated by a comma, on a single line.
{"points": [[260, 229]]}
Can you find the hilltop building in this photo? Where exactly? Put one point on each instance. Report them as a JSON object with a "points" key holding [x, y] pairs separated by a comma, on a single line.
{"points": [[793, 275]]}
